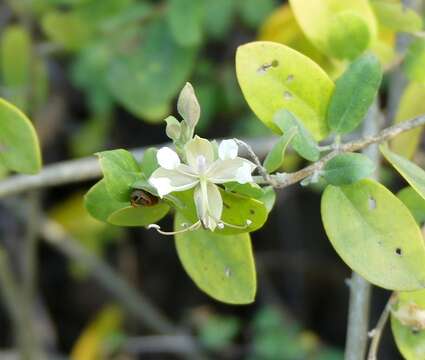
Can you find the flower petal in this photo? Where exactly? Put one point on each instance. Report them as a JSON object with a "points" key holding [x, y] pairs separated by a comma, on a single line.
{"points": [[167, 158], [238, 169], [166, 181], [228, 149], [196, 148], [209, 204]]}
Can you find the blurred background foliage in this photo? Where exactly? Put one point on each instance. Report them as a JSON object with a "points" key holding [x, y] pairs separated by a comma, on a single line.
{"points": [[101, 74]]}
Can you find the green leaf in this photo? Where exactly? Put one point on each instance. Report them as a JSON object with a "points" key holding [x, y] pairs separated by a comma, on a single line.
{"points": [[411, 104], [396, 16], [157, 69], [120, 171], [375, 234], [342, 29], [254, 12], [221, 266], [100, 204], [302, 142], [185, 19], [273, 77], [409, 342], [411, 172], [219, 17], [15, 64], [139, 216], [414, 202], [414, 61], [19, 147], [248, 189], [276, 156], [237, 209], [347, 168], [218, 332], [268, 198], [354, 93], [149, 162]]}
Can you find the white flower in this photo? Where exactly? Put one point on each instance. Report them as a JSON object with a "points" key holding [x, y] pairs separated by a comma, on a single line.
{"points": [[202, 171]]}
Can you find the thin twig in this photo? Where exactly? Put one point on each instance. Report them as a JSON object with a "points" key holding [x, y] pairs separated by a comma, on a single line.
{"points": [[376, 333]]}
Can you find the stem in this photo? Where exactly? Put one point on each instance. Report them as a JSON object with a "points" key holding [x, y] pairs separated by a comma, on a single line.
{"points": [[379, 328], [360, 289]]}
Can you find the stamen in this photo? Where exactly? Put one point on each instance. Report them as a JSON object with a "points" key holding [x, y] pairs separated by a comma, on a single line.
{"points": [[192, 227], [221, 224]]}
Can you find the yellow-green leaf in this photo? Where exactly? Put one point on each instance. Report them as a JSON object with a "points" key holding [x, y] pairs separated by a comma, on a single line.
{"points": [[412, 104], [413, 174], [414, 62], [221, 266], [19, 147], [273, 76], [375, 234], [342, 29], [409, 341], [414, 202]]}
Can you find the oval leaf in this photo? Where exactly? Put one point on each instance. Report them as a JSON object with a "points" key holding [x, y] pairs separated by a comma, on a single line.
{"points": [[221, 266], [100, 204], [276, 156], [303, 143], [354, 93], [414, 202], [347, 168], [120, 171], [237, 210], [19, 147], [342, 29], [139, 216], [274, 77], [411, 172], [375, 234], [414, 62], [409, 341], [412, 104]]}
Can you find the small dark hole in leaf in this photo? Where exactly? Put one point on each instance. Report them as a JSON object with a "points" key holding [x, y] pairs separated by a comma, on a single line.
{"points": [[226, 205], [290, 77], [399, 252], [228, 272], [415, 331], [275, 63], [252, 212], [263, 68], [372, 203]]}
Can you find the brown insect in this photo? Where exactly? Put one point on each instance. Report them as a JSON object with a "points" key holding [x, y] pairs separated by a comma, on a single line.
{"points": [[142, 198]]}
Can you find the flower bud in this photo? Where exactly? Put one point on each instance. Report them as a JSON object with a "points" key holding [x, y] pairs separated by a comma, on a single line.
{"points": [[188, 106], [173, 128]]}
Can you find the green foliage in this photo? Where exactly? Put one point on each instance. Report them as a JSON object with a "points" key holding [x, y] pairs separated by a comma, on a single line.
{"points": [[411, 172], [347, 168], [409, 340], [341, 29], [120, 171], [219, 15], [414, 61], [237, 209], [20, 150], [303, 142], [253, 12], [396, 16], [414, 202], [375, 234], [354, 92], [185, 19], [138, 216], [100, 204], [274, 77], [218, 331], [276, 156], [221, 266]]}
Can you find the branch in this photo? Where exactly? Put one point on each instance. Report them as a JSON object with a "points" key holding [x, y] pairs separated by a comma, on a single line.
{"points": [[284, 180], [376, 333]]}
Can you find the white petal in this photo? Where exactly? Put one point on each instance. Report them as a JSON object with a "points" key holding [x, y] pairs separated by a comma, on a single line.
{"points": [[238, 169], [199, 147], [228, 149], [209, 204], [167, 158], [166, 181]]}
